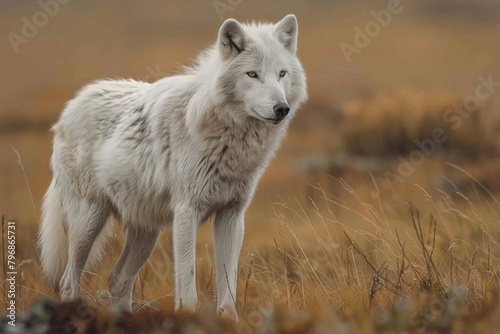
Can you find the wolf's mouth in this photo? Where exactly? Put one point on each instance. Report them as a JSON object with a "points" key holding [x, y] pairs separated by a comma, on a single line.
{"points": [[271, 120]]}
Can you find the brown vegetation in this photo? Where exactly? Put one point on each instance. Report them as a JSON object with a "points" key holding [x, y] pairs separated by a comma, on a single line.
{"points": [[390, 123]]}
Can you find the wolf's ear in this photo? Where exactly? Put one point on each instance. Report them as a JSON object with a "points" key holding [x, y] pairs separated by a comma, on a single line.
{"points": [[232, 38], [286, 32]]}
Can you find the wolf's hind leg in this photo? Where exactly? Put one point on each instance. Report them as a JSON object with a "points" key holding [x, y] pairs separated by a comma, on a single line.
{"points": [[139, 244], [86, 221]]}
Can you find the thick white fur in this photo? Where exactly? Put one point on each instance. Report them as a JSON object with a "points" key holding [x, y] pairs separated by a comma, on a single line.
{"points": [[170, 154]]}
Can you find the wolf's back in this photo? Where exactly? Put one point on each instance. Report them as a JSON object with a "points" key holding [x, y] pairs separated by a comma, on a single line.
{"points": [[97, 108]]}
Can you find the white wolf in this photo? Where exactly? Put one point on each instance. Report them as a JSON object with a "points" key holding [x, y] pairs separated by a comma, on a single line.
{"points": [[170, 154]]}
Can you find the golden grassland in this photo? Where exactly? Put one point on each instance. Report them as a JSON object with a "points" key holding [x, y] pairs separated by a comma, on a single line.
{"points": [[353, 262]]}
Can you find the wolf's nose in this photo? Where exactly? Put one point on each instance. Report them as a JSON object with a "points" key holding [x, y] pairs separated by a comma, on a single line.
{"points": [[281, 110]]}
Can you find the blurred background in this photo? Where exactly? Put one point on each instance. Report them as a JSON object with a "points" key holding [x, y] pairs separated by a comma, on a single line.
{"points": [[404, 96]]}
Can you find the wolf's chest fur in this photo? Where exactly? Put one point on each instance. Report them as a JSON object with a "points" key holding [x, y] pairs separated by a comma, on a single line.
{"points": [[229, 163], [235, 152]]}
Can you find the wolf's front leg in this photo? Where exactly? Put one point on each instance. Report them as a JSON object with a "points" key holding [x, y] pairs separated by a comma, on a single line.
{"points": [[228, 235], [185, 227]]}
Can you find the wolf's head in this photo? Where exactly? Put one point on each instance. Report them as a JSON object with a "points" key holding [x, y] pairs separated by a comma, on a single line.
{"points": [[251, 71], [260, 71]]}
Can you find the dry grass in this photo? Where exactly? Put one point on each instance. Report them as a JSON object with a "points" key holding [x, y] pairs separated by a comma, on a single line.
{"points": [[345, 262]]}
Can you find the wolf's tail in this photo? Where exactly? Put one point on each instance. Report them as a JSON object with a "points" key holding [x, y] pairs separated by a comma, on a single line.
{"points": [[55, 233], [53, 237]]}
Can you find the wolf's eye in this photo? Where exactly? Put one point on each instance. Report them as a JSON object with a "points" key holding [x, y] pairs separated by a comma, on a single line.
{"points": [[282, 74], [252, 74]]}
